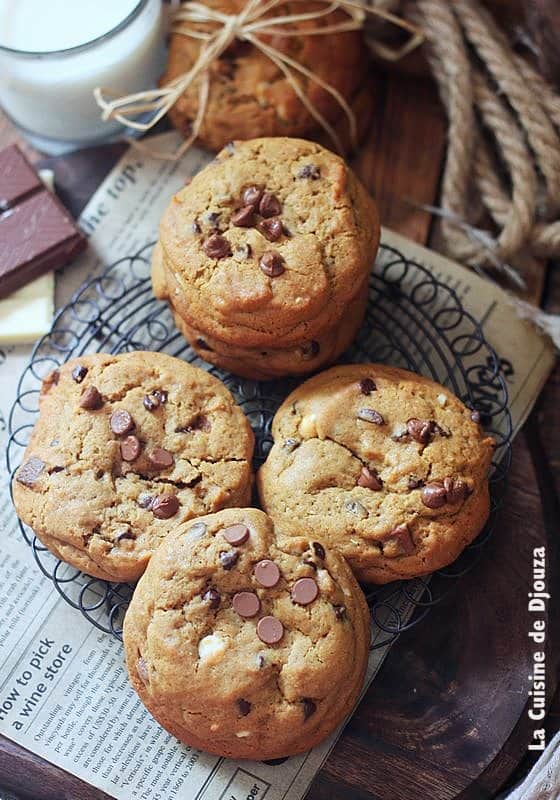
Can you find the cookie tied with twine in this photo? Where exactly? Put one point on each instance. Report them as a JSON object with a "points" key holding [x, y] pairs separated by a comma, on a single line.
{"points": [[299, 67]]}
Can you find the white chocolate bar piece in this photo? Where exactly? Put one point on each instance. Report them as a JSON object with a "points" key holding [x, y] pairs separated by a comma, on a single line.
{"points": [[28, 313]]}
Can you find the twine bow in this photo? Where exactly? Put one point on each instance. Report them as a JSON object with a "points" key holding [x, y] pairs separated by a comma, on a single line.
{"points": [[253, 22]]}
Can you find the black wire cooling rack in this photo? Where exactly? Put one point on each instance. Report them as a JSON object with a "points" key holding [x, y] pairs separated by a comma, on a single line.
{"points": [[413, 321]]}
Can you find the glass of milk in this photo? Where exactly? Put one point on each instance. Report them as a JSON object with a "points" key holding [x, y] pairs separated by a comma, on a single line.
{"points": [[53, 53]]}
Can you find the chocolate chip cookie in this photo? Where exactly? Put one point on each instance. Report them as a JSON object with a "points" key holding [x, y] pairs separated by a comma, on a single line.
{"points": [[265, 256], [386, 466], [125, 448], [244, 645], [248, 93]]}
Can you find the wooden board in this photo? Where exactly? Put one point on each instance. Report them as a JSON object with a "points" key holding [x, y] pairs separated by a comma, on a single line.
{"points": [[445, 718]]}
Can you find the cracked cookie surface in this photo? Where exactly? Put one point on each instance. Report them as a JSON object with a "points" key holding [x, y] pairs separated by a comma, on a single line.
{"points": [[385, 465], [266, 254], [245, 645], [125, 448]]}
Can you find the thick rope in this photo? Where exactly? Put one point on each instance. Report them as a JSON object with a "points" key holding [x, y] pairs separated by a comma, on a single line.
{"points": [[503, 152], [504, 134]]}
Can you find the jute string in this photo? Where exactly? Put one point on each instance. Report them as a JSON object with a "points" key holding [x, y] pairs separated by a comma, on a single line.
{"points": [[503, 152], [217, 33]]}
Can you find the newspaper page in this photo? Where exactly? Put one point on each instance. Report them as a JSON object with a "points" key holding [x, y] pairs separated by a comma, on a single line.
{"points": [[64, 693]]}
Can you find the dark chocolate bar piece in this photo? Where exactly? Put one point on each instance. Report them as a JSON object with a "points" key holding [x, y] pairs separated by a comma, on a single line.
{"points": [[37, 234], [17, 177]]}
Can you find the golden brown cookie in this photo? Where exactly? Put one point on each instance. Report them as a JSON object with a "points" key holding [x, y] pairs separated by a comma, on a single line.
{"points": [[125, 448], [386, 466], [250, 96], [243, 645], [268, 251]]}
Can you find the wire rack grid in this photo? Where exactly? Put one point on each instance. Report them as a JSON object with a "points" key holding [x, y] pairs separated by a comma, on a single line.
{"points": [[413, 321]]}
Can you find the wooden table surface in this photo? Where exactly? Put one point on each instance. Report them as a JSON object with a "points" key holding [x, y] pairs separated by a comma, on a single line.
{"points": [[446, 716]]}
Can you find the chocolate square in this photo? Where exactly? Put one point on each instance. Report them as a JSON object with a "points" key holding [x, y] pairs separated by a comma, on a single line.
{"points": [[37, 234], [17, 177]]}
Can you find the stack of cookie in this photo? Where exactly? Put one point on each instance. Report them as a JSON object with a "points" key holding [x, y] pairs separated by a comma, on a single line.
{"points": [[249, 95], [265, 257]]}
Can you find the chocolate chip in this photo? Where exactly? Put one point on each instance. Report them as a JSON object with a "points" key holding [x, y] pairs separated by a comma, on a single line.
{"points": [[202, 345], [199, 423], [309, 707], [130, 448], [217, 246], [29, 472], [290, 445], [272, 264], [197, 531], [160, 458], [79, 373], [165, 506], [340, 612], [125, 533], [266, 573], [236, 534], [414, 482], [403, 537], [319, 550], [243, 252], [247, 604], [456, 490], [475, 416], [367, 386], [304, 591], [228, 558], [271, 229], [369, 479], [244, 218], [212, 597], [434, 495], [151, 402], [161, 395], [269, 205], [310, 171], [121, 422], [244, 707], [252, 195], [145, 500], [421, 430], [270, 630], [213, 219], [310, 350], [370, 415], [91, 399], [51, 380], [355, 507]]}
